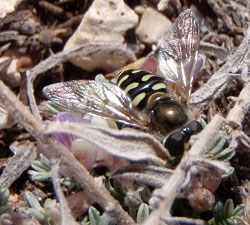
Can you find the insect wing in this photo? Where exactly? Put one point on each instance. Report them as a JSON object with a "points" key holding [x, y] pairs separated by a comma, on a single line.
{"points": [[178, 53], [94, 98]]}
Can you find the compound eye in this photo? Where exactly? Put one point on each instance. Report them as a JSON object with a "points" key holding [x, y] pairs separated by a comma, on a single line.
{"points": [[175, 143], [194, 126]]}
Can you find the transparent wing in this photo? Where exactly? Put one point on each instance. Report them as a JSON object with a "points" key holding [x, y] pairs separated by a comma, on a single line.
{"points": [[94, 98], [178, 53]]}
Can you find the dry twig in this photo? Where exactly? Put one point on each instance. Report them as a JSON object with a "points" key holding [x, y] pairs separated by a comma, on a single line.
{"points": [[66, 217], [238, 112], [216, 7], [20, 162]]}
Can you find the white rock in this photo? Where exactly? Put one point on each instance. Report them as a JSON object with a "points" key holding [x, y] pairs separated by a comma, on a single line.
{"points": [[8, 6], [11, 73], [105, 22], [5, 120], [139, 9], [152, 26]]}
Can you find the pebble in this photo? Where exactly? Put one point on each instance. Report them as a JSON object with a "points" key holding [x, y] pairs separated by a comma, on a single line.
{"points": [[105, 22], [152, 26]]}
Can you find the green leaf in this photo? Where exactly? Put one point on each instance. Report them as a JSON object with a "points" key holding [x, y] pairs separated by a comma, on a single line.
{"points": [[143, 213], [226, 154], [43, 163], [230, 221], [43, 219], [94, 216], [218, 146], [4, 196], [224, 214], [219, 152], [32, 201], [228, 208], [4, 209], [40, 176], [41, 170], [238, 211], [106, 220]]}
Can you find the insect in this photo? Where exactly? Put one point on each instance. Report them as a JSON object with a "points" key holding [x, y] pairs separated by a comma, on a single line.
{"points": [[141, 99]]}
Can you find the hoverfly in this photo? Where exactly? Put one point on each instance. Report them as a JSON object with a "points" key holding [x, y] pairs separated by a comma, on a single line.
{"points": [[142, 99]]}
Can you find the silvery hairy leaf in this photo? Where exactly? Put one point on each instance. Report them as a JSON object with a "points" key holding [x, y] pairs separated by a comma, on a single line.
{"points": [[150, 175], [130, 144], [182, 221]]}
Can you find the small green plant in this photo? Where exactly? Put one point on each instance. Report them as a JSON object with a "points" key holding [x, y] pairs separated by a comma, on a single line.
{"points": [[95, 218], [143, 213], [35, 209], [224, 214], [4, 196], [219, 152], [41, 170]]}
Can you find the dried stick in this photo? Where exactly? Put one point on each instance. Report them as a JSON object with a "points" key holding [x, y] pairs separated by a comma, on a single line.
{"points": [[238, 112], [20, 162], [216, 7], [66, 216], [237, 115], [214, 50], [22, 115]]}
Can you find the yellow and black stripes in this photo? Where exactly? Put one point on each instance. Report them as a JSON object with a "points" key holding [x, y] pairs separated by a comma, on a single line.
{"points": [[140, 85]]}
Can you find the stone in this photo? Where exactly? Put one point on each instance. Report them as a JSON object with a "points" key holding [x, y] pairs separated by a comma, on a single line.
{"points": [[105, 22], [8, 6], [152, 26]]}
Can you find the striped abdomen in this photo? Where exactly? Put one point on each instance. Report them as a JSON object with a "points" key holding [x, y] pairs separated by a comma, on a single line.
{"points": [[140, 85]]}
